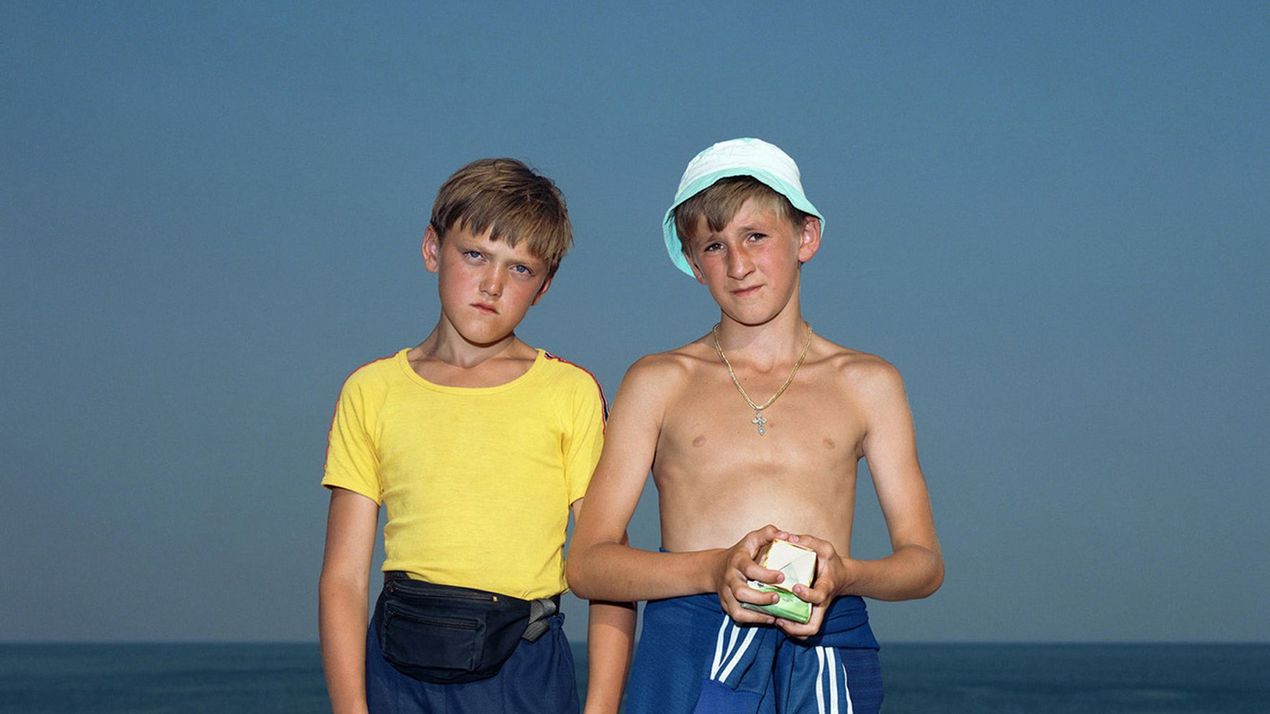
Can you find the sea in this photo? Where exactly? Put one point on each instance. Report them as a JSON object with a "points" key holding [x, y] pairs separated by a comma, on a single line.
{"points": [[980, 678]]}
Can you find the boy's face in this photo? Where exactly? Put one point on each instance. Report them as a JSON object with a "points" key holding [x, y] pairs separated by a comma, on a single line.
{"points": [[486, 286], [751, 266]]}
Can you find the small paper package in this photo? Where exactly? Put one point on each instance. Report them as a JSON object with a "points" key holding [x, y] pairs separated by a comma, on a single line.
{"points": [[799, 566]]}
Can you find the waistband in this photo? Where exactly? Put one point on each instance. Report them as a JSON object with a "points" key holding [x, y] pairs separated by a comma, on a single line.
{"points": [[846, 624], [401, 576]]}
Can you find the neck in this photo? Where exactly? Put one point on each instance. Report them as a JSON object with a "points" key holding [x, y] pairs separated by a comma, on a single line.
{"points": [[777, 340], [446, 345]]}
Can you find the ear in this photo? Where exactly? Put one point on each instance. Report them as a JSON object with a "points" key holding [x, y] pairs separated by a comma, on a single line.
{"points": [[541, 291], [809, 242], [431, 250]]}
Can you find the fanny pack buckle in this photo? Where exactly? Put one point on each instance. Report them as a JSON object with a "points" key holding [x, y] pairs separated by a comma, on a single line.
{"points": [[539, 611]]}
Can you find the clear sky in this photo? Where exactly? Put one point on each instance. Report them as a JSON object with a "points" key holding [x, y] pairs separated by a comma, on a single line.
{"points": [[1052, 217]]}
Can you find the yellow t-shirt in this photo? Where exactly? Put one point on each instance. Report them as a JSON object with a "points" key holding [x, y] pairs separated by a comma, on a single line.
{"points": [[477, 481]]}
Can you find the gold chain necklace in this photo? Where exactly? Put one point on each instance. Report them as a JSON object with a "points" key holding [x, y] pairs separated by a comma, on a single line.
{"points": [[758, 419]]}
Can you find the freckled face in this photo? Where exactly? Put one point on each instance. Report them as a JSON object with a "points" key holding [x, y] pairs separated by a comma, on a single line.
{"points": [[486, 286], [751, 266]]}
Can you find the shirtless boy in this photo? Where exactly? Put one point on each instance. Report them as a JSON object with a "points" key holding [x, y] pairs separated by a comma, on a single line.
{"points": [[758, 421]]}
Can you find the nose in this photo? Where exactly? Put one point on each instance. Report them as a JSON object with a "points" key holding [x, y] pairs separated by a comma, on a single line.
{"points": [[739, 264], [492, 282]]}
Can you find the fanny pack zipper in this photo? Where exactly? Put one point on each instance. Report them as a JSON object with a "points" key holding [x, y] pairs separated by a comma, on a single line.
{"points": [[393, 586]]}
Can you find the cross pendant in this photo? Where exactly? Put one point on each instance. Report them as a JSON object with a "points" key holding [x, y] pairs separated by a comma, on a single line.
{"points": [[760, 422]]}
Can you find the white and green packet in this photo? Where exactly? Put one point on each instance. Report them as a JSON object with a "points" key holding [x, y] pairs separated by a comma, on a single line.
{"points": [[798, 564]]}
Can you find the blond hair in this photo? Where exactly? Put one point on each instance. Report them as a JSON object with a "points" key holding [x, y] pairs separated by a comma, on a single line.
{"points": [[512, 202], [719, 203]]}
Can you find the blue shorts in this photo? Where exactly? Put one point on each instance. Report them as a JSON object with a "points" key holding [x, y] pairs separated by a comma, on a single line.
{"points": [[692, 658], [538, 677]]}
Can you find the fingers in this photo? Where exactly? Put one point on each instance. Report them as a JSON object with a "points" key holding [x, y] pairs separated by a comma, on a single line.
{"points": [[744, 593], [818, 595], [740, 567], [737, 589], [743, 616], [756, 539], [802, 631], [734, 589], [730, 599], [823, 548], [832, 571], [754, 571], [741, 557], [743, 563], [769, 532]]}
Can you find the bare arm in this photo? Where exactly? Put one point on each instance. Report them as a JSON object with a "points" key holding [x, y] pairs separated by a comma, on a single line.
{"points": [[915, 567], [601, 565], [342, 598], [610, 639]]}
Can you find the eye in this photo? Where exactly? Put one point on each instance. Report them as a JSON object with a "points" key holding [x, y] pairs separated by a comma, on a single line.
{"points": [[757, 236], [711, 247], [523, 270], [472, 254]]}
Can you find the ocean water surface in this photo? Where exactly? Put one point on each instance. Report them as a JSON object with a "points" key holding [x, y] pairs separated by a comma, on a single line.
{"points": [[1040, 678]]}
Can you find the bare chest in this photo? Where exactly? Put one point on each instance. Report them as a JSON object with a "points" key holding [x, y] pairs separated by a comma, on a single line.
{"points": [[807, 433], [719, 477]]}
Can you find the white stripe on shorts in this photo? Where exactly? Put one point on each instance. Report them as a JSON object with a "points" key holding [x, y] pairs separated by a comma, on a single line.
{"points": [[718, 648], [740, 652], [831, 663], [846, 689], [820, 678]]}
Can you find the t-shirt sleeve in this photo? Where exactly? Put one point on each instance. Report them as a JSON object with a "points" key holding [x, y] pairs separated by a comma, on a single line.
{"points": [[585, 438], [351, 458]]}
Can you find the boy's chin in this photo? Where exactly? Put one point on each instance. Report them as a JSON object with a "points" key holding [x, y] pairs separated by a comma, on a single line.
{"points": [[484, 338], [752, 315], [488, 342]]}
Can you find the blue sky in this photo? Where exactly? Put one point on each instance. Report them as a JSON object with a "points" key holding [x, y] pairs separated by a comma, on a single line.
{"points": [[1051, 217]]}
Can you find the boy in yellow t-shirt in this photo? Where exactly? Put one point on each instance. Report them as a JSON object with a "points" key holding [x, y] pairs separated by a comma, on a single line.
{"points": [[478, 446]]}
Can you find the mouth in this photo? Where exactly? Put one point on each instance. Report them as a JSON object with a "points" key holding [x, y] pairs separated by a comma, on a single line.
{"points": [[746, 292], [484, 308]]}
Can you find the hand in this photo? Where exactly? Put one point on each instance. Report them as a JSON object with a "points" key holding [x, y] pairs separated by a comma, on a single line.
{"points": [[737, 567], [833, 575]]}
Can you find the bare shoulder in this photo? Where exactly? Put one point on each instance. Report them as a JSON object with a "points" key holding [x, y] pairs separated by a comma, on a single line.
{"points": [[864, 374], [656, 381], [667, 372]]}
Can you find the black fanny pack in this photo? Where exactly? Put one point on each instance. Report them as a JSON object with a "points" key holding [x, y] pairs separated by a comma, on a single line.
{"points": [[446, 634]]}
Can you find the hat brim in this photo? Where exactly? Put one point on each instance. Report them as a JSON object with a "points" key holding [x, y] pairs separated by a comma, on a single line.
{"points": [[675, 248]]}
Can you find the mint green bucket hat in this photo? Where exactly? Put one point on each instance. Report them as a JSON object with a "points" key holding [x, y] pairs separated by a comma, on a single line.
{"points": [[735, 157]]}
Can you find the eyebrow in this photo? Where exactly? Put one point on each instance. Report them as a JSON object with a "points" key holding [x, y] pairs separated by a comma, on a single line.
{"points": [[758, 224]]}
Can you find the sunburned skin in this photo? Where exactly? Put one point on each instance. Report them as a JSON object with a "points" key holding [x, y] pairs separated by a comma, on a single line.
{"points": [[711, 460], [731, 482], [724, 489]]}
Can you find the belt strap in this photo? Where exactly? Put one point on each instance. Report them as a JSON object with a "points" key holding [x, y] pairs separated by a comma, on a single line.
{"points": [[539, 611]]}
